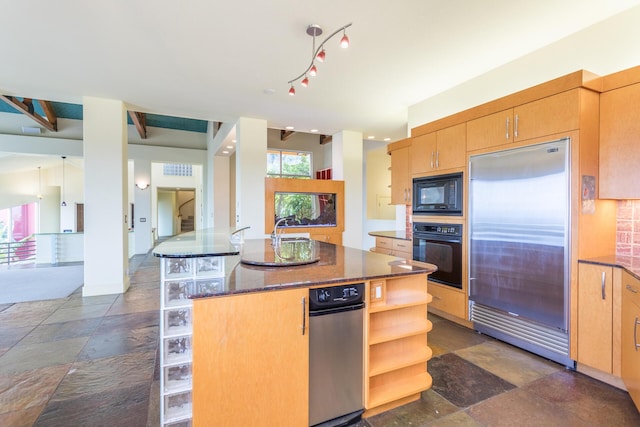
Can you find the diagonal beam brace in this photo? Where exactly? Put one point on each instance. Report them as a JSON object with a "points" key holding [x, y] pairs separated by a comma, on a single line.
{"points": [[286, 134], [48, 111], [140, 121], [26, 107]]}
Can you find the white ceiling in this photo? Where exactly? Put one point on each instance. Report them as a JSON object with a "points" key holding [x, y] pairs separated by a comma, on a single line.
{"points": [[214, 60]]}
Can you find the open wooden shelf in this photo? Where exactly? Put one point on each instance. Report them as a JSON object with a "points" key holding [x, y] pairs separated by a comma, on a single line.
{"points": [[400, 299], [379, 366], [398, 389], [394, 332]]}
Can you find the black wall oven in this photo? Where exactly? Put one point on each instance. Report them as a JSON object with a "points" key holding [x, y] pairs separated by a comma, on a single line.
{"points": [[440, 244]]}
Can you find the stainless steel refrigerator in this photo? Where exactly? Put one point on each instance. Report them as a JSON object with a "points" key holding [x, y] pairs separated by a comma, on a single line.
{"points": [[519, 220]]}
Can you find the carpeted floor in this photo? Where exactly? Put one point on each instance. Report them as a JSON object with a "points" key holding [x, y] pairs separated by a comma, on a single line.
{"points": [[42, 283]]}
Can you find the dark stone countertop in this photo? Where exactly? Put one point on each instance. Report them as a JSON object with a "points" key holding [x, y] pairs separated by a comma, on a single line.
{"points": [[397, 234], [336, 264], [629, 263]]}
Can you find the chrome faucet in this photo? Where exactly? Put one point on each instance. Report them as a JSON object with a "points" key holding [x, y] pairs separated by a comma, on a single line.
{"points": [[275, 237]]}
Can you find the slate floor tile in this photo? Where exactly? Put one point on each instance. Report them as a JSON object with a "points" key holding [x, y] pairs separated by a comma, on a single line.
{"points": [[463, 383]]}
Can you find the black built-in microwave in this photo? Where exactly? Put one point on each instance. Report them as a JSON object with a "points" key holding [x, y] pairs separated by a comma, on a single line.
{"points": [[438, 195]]}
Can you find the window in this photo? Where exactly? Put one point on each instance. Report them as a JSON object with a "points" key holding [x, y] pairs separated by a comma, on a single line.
{"points": [[288, 164], [173, 169]]}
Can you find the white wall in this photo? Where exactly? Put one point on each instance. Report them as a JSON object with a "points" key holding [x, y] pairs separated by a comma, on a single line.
{"points": [[604, 48]]}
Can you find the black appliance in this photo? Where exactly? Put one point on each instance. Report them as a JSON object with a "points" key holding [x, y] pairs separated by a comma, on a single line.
{"points": [[440, 244], [336, 334], [438, 195]]}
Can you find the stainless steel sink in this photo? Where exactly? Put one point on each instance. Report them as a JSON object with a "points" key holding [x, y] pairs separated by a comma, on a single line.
{"points": [[290, 251]]}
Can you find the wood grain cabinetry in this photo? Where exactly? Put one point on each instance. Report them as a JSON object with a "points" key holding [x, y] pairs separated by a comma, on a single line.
{"points": [[620, 143], [631, 336], [448, 300], [251, 360], [599, 317], [400, 176], [397, 351], [440, 150], [547, 116], [396, 247], [335, 238]]}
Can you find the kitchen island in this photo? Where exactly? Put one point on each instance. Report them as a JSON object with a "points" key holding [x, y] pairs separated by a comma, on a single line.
{"points": [[236, 336]]}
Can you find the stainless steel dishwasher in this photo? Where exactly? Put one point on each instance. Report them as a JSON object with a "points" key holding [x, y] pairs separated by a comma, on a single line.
{"points": [[336, 355]]}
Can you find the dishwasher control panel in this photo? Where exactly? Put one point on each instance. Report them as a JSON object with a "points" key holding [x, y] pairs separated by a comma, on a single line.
{"points": [[336, 296]]}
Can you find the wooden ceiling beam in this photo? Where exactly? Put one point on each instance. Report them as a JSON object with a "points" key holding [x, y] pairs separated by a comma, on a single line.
{"points": [[325, 139], [286, 134], [26, 107], [48, 111], [140, 122]]}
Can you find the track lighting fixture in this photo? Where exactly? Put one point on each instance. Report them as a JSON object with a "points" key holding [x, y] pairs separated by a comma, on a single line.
{"points": [[318, 54]]}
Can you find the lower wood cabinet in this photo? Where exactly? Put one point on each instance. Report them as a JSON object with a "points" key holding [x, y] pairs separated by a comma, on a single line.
{"points": [[335, 238], [631, 336], [599, 317], [397, 350], [251, 360], [448, 300], [396, 247]]}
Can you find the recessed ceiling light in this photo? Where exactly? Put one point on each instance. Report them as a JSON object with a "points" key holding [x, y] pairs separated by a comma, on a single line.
{"points": [[314, 130], [225, 152], [289, 128], [229, 146], [370, 137], [233, 140], [387, 139]]}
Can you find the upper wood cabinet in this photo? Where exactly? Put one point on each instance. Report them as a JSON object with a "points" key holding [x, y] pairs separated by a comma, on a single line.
{"points": [[620, 143], [440, 150], [547, 116], [400, 176]]}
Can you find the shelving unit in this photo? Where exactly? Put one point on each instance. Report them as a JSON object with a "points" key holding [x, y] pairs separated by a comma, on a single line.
{"points": [[180, 279], [397, 353]]}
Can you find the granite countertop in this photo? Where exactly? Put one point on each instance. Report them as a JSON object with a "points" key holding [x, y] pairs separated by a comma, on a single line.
{"points": [[629, 263], [397, 234], [336, 264]]}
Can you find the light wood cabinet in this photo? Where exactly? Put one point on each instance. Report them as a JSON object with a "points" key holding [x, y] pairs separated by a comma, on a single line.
{"points": [[400, 177], [448, 300], [395, 247], [631, 336], [251, 360], [335, 238], [397, 330], [440, 150], [620, 143], [546, 116], [598, 317]]}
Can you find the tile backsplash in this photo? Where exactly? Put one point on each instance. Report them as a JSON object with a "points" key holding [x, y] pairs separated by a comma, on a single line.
{"points": [[628, 228]]}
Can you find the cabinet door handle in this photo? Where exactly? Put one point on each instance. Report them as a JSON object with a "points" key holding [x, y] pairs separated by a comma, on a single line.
{"points": [[515, 127], [604, 275], [635, 334], [432, 156], [632, 289], [507, 128], [437, 159], [304, 315]]}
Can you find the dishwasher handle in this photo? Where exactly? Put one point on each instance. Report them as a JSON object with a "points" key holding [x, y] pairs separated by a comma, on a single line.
{"points": [[329, 311]]}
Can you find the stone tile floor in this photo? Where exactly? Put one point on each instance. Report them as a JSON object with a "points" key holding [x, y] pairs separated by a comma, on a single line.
{"points": [[93, 362]]}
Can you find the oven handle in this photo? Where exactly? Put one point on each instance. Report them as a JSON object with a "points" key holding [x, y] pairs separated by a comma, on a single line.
{"points": [[433, 238]]}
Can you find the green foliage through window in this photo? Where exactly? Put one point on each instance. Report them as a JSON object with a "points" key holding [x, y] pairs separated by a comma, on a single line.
{"points": [[288, 164]]}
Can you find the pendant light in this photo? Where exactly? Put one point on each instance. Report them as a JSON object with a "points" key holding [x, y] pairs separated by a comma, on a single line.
{"points": [[63, 201], [318, 54]]}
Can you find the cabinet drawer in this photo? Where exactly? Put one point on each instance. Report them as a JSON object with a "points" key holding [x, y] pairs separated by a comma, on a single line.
{"points": [[384, 242], [402, 245], [448, 300]]}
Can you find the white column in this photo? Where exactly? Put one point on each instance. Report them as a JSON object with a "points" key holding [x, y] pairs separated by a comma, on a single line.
{"points": [[346, 163], [105, 182], [142, 206], [251, 170]]}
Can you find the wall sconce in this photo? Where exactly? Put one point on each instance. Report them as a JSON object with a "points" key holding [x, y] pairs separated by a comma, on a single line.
{"points": [[318, 54], [142, 186]]}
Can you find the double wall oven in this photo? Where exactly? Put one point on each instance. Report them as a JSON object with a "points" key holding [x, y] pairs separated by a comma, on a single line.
{"points": [[440, 244]]}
